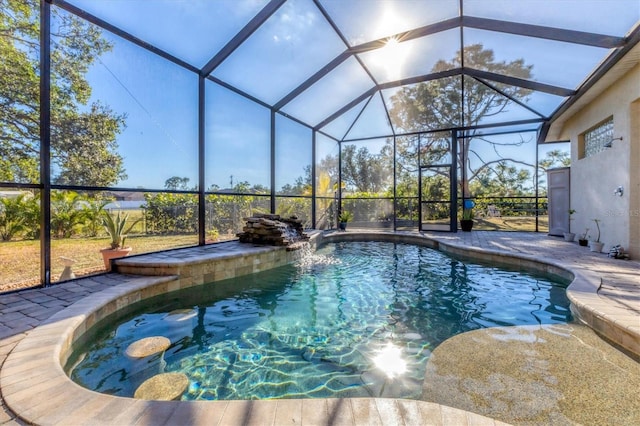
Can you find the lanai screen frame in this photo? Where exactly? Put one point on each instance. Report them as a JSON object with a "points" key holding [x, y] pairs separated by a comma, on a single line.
{"points": [[620, 46]]}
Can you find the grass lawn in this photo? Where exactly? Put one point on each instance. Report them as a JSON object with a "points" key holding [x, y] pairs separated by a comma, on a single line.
{"points": [[513, 223], [507, 223], [20, 260]]}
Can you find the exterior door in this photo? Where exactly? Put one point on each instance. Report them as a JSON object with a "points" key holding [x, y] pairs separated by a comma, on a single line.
{"points": [[559, 200]]}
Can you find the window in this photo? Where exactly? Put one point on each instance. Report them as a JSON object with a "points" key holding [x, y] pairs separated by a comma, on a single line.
{"points": [[597, 139]]}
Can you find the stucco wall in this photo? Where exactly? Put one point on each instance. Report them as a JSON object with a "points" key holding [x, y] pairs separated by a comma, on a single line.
{"points": [[594, 179], [634, 187]]}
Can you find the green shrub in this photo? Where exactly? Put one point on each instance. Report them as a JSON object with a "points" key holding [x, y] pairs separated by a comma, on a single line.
{"points": [[12, 218]]}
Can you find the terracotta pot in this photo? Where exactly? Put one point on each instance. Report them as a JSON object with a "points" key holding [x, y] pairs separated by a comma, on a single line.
{"points": [[108, 254]]}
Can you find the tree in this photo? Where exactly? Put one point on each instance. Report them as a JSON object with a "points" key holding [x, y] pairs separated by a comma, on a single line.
{"points": [[503, 179], [176, 183], [555, 158], [552, 159], [301, 186], [439, 104], [364, 171], [83, 135]]}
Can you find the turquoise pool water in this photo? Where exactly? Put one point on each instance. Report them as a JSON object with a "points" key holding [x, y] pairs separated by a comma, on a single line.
{"points": [[350, 320]]}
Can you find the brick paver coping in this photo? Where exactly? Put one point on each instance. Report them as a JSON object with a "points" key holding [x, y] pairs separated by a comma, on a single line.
{"points": [[604, 294]]}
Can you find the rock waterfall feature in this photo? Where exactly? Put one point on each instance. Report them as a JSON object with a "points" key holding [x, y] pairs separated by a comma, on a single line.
{"points": [[271, 229]]}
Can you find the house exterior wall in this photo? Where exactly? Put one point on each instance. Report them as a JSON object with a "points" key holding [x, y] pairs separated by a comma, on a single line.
{"points": [[594, 178], [634, 186]]}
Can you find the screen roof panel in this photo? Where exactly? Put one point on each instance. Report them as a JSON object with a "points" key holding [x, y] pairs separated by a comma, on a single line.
{"points": [[400, 60], [552, 62], [178, 27], [485, 106], [333, 91], [365, 20], [611, 17], [542, 103], [409, 116], [339, 127], [372, 122], [289, 47], [287, 54]]}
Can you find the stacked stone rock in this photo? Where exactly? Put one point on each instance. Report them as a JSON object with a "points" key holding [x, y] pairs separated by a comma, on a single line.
{"points": [[271, 229]]}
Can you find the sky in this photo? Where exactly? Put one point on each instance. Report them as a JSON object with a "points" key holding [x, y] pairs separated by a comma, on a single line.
{"points": [[160, 98]]}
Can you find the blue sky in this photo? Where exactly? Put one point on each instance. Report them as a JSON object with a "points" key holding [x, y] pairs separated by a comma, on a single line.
{"points": [[160, 98]]}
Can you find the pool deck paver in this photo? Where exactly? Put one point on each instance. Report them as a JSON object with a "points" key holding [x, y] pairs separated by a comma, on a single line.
{"points": [[617, 299]]}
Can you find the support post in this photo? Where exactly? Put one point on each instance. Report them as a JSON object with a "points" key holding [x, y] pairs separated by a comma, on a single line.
{"points": [[202, 206], [454, 181], [313, 179], [273, 161], [45, 142]]}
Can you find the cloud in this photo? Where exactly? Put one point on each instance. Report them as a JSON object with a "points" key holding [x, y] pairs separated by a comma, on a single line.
{"points": [[293, 24]]}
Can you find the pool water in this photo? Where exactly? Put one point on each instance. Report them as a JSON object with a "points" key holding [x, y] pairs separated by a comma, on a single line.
{"points": [[350, 320]]}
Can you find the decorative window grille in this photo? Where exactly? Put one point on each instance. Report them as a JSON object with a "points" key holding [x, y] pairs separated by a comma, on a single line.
{"points": [[596, 139]]}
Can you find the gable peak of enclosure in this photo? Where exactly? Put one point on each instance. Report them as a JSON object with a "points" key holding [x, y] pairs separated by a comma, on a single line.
{"points": [[331, 63]]}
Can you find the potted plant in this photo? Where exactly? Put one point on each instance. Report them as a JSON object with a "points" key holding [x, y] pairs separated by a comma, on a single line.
{"points": [[569, 236], [115, 227], [582, 238], [466, 222], [344, 217], [596, 245]]}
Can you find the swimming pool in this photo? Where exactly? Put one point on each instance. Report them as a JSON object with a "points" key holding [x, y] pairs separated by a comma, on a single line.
{"points": [[352, 319]]}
